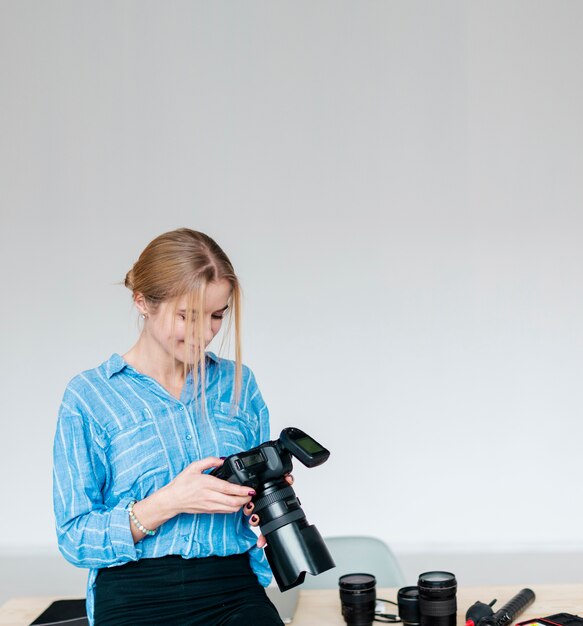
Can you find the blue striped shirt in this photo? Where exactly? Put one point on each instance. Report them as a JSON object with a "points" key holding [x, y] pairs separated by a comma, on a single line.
{"points": [[121, 436]]}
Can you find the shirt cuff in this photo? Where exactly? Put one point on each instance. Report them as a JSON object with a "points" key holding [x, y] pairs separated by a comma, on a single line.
{"points": [[120, 532]]}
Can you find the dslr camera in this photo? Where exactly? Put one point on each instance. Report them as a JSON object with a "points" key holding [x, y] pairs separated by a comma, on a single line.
{"points": [[294, 547]]}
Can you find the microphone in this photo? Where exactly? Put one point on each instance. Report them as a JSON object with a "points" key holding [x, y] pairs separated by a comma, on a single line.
{"points": [[480, 614]]}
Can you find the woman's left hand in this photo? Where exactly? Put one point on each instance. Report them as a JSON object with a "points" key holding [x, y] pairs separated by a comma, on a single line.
{"points": [[254, 521]]}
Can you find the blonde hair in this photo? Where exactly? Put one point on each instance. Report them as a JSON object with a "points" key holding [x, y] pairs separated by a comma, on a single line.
{"points": [[181, 263]]}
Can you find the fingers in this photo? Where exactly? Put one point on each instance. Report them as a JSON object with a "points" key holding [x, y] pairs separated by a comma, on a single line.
{"points": [[230, 500], [261, 541], [222, 503], [248, 509], [289, 479], [226, 497], [204, 464], [234, 490], [223, 486], [254, 520]]}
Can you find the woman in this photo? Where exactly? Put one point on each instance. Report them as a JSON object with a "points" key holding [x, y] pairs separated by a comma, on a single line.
{"points": [[166, 543]]}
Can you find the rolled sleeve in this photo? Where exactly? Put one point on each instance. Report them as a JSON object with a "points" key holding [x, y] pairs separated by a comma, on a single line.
{"points": [[122, 541], [89, 533]]}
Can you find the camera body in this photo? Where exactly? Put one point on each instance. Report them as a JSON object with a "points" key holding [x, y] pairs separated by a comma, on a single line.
{"points": [[272, 460], [294, 547]]}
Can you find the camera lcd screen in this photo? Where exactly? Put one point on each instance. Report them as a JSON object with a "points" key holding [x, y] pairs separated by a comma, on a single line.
{"points": [[252, 459], [309, 445]]}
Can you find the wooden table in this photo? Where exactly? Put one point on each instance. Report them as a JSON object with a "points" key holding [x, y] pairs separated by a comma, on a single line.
{"points": [[322, 607]]}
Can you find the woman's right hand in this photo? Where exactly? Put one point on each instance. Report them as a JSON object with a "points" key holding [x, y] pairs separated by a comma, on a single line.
{"points": [[192, 491]]}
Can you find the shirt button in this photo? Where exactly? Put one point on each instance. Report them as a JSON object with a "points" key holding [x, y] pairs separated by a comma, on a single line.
{"points": [[186, 537], [181, 408], [188, 437]]}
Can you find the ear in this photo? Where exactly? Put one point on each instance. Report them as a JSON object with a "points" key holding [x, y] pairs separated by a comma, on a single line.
{"points": [[140, 302]]}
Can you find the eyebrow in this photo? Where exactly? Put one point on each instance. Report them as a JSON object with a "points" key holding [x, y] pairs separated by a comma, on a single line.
{"points": [[217, 311]]}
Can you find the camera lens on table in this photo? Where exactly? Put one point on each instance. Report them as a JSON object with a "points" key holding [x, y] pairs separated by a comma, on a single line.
{"points": [[437, 599], [358, 598], [408, 603]]}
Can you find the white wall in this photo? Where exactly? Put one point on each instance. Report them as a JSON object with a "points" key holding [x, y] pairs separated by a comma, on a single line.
{"points": [[399, 186]]}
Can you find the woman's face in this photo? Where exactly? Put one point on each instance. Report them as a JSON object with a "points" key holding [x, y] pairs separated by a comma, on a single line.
{"points": [[166, 326]]}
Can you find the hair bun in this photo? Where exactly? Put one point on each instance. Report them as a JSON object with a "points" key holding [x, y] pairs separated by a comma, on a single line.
{"points": [[129, 280]]}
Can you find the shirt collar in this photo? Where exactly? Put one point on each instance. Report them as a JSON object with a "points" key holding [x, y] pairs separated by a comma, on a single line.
{"points": [[212, 356], [115, 364]]}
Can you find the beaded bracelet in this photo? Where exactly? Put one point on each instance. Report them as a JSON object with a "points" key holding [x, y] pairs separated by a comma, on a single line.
{"points": [[137, 522]]}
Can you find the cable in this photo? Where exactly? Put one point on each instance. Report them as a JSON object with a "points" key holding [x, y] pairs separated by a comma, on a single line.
{"points": [[387, 618]]}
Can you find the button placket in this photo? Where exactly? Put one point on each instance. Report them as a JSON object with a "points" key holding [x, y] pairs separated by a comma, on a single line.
{"points": [[190, 434]]}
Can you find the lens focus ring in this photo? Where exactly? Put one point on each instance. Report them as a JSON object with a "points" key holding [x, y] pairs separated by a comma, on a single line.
{"points": [[272, 498], [437, 608]]}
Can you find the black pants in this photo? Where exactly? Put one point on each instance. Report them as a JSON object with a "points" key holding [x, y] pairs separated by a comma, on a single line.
{"points": [[172, 591]]}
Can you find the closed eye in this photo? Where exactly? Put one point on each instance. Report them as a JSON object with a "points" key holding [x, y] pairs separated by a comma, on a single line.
{"points": [[218, 315]]}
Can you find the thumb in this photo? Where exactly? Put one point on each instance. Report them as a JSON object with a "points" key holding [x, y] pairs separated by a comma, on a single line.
{"points": [[207, 463]]}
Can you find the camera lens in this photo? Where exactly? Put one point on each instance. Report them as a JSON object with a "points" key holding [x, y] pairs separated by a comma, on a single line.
{"points": [[358, 597], [294, 547], [408, 603], [437, 600]]}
